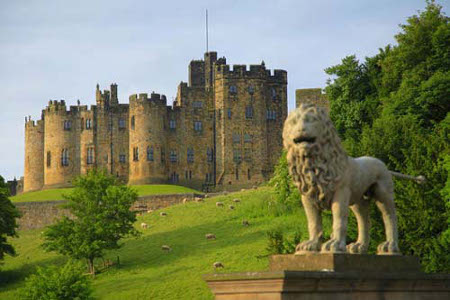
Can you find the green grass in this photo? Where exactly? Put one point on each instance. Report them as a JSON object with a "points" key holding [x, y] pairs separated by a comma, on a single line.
{"points": [[143, 190], [148, 273]]}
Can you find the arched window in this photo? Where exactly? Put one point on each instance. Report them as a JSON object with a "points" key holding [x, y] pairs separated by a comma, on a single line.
{"points": [[150, 153], [172, 124], [65, 157], [135, 153]]}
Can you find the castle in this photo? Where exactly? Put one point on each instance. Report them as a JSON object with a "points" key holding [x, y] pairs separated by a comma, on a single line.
{"points": [[223, 131]]}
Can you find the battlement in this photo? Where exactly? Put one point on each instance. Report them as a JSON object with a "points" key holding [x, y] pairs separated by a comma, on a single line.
{"points": [[254, 71], [155, 98], [32, 124]]}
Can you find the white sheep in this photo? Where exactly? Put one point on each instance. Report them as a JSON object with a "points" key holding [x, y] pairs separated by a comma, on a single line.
{"points": [[217, 265], [149, 211], [236, 200], [185, 200], [219, 204], [163, 214], [206, 196], [166, 248], [198, 199], [210, 236], [144, 225]]}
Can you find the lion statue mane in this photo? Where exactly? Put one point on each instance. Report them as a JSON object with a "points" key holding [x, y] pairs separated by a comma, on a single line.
{"points": [[329, 179]]}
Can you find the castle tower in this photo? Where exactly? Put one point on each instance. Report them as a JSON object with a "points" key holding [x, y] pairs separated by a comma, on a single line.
{"points": [[34, 156], [147, 139]]}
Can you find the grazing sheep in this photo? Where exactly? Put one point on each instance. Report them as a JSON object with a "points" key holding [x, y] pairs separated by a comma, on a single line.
{"points": [[185, 200], [166, 248], [149, 211], [217, 265], [163, 214], [144, 225], [210, 236], [206, 196], [138, 214], [231, 207], [255, 187], [219, 204], [198, 199], [243, 190], [245, 223], [236, 200]]}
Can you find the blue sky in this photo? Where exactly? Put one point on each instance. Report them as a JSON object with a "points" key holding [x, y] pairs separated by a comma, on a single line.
{"points": [[62, 49]]}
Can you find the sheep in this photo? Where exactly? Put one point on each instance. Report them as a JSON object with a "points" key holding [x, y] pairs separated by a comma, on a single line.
{"points": [[219, 204], [236, 200], [185, 200], [163, 214], [243, 190], [206, 196], [210, 236], [198, 199], [138, 214], [149, 211], [217, 265], [166, 248], [144, 225], [231, 207], [245, 223], [255, 187]]}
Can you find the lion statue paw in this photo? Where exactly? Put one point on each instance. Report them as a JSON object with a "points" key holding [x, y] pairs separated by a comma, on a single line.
{"points": [[334, 246], [308, 246], [388, 248], [357, 248]]}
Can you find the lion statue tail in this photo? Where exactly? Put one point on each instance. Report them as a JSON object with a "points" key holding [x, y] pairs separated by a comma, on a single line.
{"points": [[419, 179]]}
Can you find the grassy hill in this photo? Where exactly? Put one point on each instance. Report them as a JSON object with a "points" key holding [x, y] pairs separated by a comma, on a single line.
{"points": [[143, 190], [146, 272]]}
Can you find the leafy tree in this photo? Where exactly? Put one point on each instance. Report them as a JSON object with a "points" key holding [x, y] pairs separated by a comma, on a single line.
{"points": [[8, 224], [102, 217], [53, 283]]}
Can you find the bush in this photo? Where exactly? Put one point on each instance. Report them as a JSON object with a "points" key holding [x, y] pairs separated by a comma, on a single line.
{"points": [[53, 283], [277, 243]]}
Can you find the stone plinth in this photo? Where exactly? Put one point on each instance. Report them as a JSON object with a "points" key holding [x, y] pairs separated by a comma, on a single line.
{"points": [[330, 280]]}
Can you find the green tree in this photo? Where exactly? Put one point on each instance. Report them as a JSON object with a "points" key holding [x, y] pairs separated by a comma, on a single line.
{"points": [[102, 217], [8, 224], [54, 283]]}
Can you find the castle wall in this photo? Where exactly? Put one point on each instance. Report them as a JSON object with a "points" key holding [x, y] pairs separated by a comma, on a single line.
{"points": [[34, 156]]}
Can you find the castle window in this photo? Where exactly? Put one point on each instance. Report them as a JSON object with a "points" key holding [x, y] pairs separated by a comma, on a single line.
{"points": [[150, 153], [82, 124], [197, 104], [198, 126], [233, 89], [236, 138], [273, 93], [190, 155], [190, 174], [249, 112], [271, 115], [163, 155], [237, 173], [67, 125], [122, 158], [132, 122], [249, 176], [237, 156], [88, 123], [248, 154], [90, 155], [172, 124], [121, 123], [64, 157], [135, 153], [251, 89], [174, 177], [247, 138], [49, 159], [207, 177], [173, 156], [186, 175], [229, 114], [209, 155]]}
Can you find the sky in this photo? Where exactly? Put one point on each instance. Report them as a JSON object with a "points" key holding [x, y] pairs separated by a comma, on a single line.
{"points": [[61, 49]]}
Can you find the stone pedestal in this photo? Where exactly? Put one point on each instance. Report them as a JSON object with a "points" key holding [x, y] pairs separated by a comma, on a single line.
{"points": [[333, 276]]}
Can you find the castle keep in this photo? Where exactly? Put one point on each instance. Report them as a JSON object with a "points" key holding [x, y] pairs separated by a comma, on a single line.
{"points": [[223, 130]]}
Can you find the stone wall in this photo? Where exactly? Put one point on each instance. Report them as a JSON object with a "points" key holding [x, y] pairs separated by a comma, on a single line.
{"points": [[41, 214]]}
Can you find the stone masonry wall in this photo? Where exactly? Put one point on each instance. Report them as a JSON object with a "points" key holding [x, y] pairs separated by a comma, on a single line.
{"points": [[40, 214]]}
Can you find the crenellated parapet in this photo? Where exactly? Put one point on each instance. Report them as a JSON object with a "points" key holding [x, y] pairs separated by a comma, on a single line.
{"points": [[254, 71]]}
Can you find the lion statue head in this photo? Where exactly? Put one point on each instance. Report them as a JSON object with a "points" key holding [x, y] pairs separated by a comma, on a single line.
{"points": [[315, 155]]}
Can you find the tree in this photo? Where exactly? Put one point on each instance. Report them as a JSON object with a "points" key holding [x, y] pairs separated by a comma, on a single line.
{"points": [[101, 208], [53, 283], [8, 224]]}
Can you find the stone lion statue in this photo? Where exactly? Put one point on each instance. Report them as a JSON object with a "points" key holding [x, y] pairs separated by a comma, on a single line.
{"points": [[329, 179]]}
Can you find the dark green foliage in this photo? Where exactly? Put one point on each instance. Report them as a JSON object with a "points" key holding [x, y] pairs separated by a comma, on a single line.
{"points": [[287, 195], [54, 283], [8, 224], [395, 106], [102, 210], [277, 243]]}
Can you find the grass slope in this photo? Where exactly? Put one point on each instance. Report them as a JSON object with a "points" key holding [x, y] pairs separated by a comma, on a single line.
{"points": [[148, 273], [143, 190]]}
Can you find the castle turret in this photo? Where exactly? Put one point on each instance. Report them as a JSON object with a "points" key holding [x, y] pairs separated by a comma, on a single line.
{"points": [[34, 155]]}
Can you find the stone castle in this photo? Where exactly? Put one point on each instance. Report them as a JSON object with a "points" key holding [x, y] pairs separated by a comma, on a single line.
{"points": [[223, 131]]}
